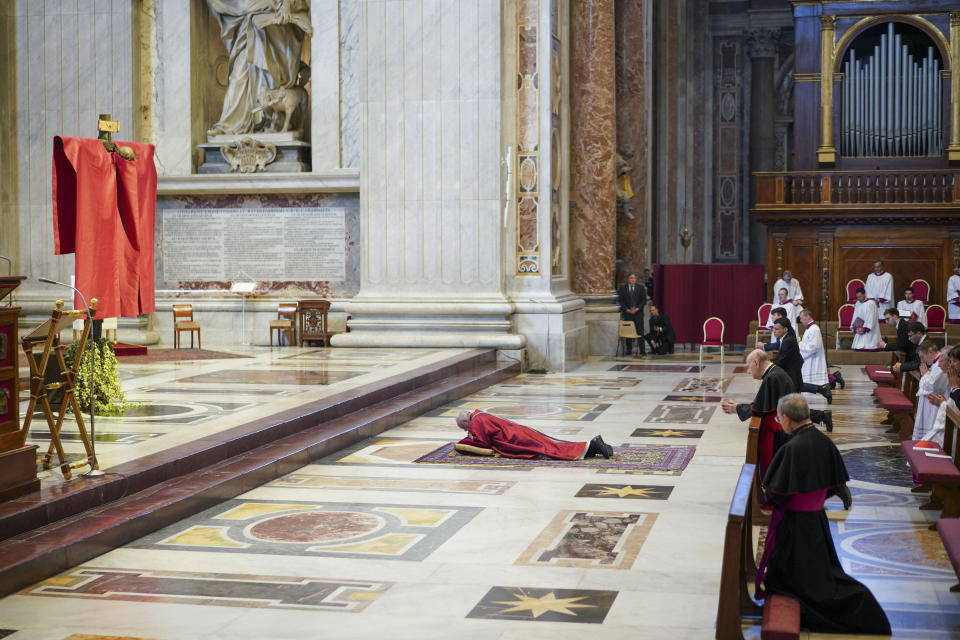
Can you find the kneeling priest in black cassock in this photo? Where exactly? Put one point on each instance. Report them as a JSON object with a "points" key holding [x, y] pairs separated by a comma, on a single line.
{"points": [[799, 557]]}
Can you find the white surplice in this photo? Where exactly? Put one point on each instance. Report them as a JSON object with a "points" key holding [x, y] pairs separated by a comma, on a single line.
{"points": [[880, 288], [953, 297], [935, 433], [871, 328], [814, 358], [914, 307], [791, 310], [794, 294], [933, 381]]}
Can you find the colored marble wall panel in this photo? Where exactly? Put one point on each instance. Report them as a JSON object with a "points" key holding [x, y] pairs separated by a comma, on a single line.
{"points": [[592, 145]]}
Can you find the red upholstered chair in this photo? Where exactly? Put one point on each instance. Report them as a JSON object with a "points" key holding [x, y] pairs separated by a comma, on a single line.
{"points": [[845, 319], [936, 320], [921, 291], [763, 316], [712, 336], [852, 287]]}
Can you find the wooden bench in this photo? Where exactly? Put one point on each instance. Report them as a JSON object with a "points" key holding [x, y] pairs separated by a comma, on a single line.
{"points": [[781, 614], [940, 473], [899, 406], [949, 530], [884, 375]]}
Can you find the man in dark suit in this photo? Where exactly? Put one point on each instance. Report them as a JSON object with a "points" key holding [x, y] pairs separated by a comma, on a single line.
{"points": [[632, 297], [916, 334], [661, 336], [789, 359], [777, 312], [892, 316]]}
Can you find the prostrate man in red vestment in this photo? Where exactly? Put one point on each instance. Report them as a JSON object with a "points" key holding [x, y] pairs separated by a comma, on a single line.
{"points": [[512, 440], [775, 383]]}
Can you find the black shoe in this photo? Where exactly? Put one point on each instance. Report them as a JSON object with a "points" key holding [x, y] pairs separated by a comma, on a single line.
{"points": [[825, 392], [828, 420], [839, 377], [598, 447]]}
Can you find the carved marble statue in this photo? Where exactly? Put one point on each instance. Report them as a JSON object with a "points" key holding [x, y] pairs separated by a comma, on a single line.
{"points": [[264, 39]]}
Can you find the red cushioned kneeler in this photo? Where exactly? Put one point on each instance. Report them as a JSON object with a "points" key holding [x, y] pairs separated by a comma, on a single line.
{"points": [[781, 618]]}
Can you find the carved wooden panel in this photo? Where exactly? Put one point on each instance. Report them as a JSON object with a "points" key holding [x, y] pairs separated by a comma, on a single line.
{"points": [[849, 252]]}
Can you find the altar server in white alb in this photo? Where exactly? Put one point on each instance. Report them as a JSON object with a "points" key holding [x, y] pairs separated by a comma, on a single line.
{"points": [[866, 329], [880, 287], [953, 296], [781, 301], [912, 309], [792, 285], [933, 381], [815, 379]]}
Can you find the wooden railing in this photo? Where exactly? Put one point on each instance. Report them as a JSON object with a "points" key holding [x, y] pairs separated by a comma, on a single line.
{"points": [[857, 187]]}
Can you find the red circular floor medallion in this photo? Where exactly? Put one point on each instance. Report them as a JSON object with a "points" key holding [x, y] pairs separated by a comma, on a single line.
{"points": [[322, 526]]}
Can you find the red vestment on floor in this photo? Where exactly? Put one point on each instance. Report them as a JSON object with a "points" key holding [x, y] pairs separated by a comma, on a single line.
{"points": [[513, 440], [104, 211]]}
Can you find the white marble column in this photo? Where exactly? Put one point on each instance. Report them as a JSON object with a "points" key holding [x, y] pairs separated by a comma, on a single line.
{"points": [[325, 85], [536, 126], [172, 108], [74, 60], [430, 183]]}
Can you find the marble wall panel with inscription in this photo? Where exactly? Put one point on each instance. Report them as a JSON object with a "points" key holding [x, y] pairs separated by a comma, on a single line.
{"points": [[290, 245]]}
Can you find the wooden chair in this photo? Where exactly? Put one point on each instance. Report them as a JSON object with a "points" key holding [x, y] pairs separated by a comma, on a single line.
{"points": [[183, 321], [852, 287], [763, 317], [628, 331], [313, 321], [286, 323], [921, 291], [712, 336], [936, 320], [845, 319]]}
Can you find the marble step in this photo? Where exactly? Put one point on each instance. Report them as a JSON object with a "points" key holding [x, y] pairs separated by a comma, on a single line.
{"points": [[156, 491]]}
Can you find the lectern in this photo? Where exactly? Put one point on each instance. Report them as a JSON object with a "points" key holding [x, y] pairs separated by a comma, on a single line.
{"points": [[44, 339], [18, 463]]}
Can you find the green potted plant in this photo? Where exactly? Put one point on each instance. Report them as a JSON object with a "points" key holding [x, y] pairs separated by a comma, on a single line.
{"points": [[110, 399]]}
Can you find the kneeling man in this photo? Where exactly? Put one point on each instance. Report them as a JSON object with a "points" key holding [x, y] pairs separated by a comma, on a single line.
{"points": [[512, 440]]}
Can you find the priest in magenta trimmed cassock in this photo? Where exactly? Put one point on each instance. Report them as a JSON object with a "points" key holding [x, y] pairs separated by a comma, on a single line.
{"points": [[953, 296], [490, 435], [799, 558], [774, 384], [865, 326], [880, 287], [792, 285], [911, 308]]}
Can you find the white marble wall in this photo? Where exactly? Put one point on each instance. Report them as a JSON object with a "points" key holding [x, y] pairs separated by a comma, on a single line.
{"points": [[351, 81], [430, 188], [74, 61], [170, 65]]}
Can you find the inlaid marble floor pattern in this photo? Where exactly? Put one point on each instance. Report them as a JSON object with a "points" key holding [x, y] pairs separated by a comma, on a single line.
{"points": [[366, 543]]}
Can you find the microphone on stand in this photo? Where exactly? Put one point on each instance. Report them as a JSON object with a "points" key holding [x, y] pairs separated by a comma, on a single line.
{"points": [[93, 359], [9, 265]]}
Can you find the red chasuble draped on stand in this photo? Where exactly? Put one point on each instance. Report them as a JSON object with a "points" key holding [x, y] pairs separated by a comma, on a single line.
{"points": [[104, 211], [513, 440]]}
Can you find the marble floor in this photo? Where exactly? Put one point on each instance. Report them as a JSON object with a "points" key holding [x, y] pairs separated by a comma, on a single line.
{"points": [[367, 543], [180, 401]]}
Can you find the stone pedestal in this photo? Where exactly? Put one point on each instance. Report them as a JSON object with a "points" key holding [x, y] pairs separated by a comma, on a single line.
{"points": [[291, 155]]}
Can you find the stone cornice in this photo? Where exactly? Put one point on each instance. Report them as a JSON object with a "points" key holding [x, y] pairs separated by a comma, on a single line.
{"points": [[338, 180]]}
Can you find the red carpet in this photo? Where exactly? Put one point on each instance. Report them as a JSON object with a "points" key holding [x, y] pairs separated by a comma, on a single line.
{"points": [[123, 350], [174, 355]]}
